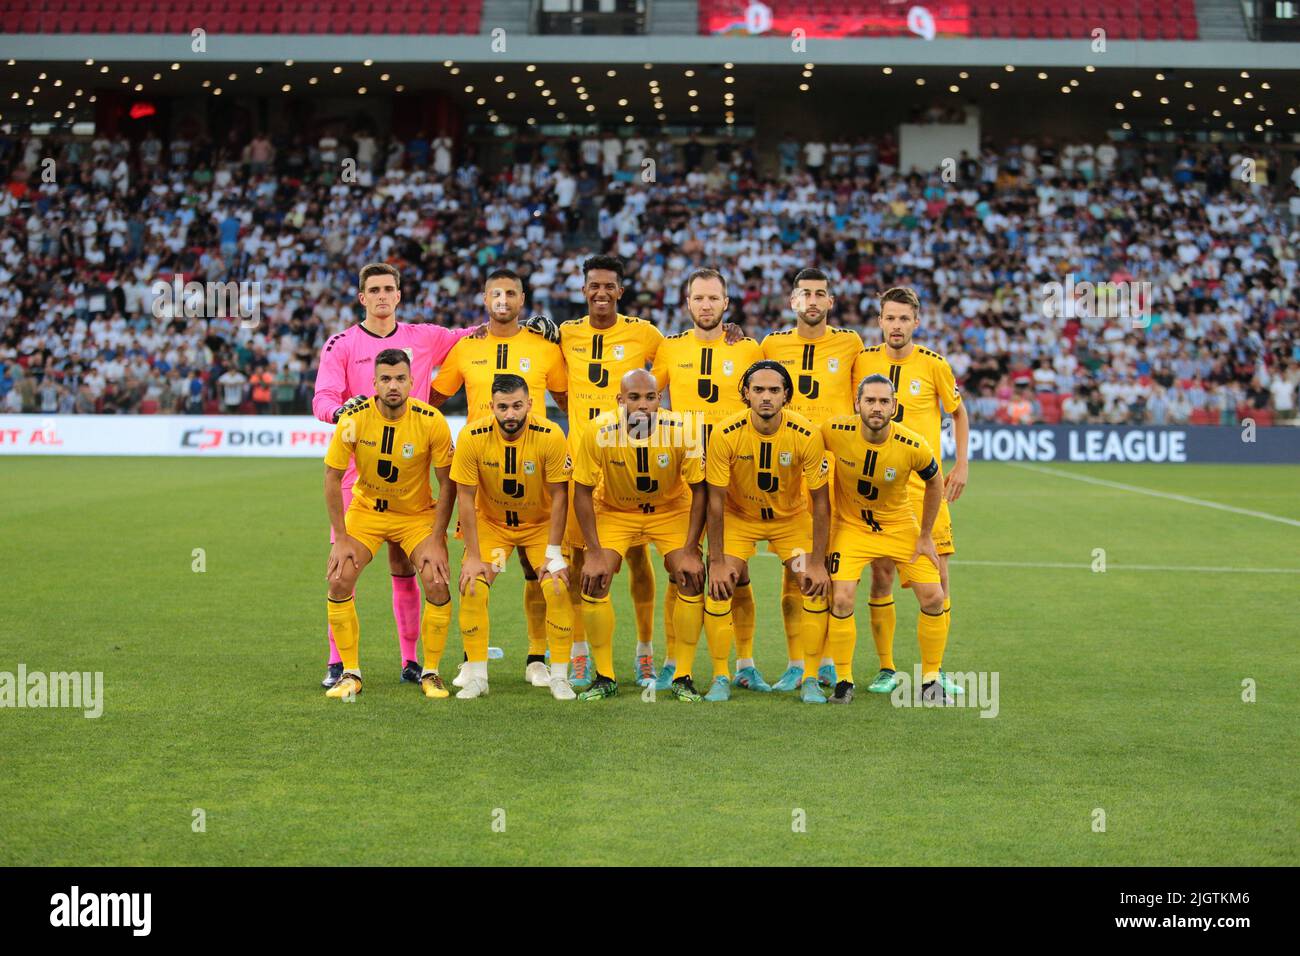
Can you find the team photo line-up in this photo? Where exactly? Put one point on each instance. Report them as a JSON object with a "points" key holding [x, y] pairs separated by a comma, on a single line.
{"points": [[704, 443]]}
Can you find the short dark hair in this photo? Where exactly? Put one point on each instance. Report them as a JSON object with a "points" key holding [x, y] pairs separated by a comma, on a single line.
{"points": [[876, 379], [612, 263], [507, 383], [379, 269], [504, 274], [812, 274], [768, 365], [705, 274], [392, 357]]}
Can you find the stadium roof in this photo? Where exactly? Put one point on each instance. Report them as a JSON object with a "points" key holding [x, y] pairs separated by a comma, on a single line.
{"points": [[657, 49]]}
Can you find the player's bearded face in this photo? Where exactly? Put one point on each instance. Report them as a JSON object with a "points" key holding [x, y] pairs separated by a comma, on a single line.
{"points": [[897, 323], [511, 411], [876, 407], [393, 384], [504, 301], [707, 304], [811, 302], [641, 410]]}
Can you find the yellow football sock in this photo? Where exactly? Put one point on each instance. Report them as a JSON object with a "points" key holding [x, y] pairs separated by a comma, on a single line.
{"points": [[598, 617], [742, 619], [932, 635], [342, 616], [558, 613], [883, 620], [720, 631], [434, 626], [688, 618], [792, 614], [814, 612], [535, 617], [841, 641], [474, 623], [641, 574], [670, 626]]}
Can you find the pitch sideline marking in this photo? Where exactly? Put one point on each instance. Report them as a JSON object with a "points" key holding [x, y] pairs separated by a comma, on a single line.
{"points": [[1123, 567], [1170, 496]]}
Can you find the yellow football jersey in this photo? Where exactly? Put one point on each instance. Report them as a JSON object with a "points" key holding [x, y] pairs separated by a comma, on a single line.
{"points": [[473, 363], [598, 358], [767, 476], [645, 475], [511, 476], [393, 457], [923, 383], [871, 479], [703, 378], [822, 370]]}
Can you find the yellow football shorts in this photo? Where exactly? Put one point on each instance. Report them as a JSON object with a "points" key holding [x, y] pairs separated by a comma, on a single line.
{"points": [[785, 536], [373, 528], [623, 530], [496, 543], [855, 544]]}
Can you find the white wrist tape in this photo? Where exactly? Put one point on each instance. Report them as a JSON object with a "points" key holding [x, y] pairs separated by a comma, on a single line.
{"points": [[555, 558]]}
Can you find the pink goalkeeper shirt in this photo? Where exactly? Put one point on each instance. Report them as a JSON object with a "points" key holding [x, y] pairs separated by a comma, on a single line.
{"points": [[347, 365]]}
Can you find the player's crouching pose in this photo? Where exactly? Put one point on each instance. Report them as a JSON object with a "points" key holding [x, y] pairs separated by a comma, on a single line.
{"points": [[511, 471], [873, 460], [765, 465], [393, 440], [637, 478]]}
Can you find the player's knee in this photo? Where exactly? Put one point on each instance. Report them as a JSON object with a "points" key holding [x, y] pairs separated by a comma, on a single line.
{"points": [[341, 590], [842, 605], [435, 592], [931, 600]]}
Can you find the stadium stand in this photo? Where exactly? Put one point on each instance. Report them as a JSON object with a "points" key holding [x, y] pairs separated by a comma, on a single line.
{"points": [[241, 16], [1122, 19], [78, 261]]}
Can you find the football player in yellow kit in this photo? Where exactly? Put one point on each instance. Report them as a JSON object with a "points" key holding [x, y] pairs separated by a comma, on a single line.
{"points": [[637, 479], [508, 348], [394, 440], [924, 388], [512, 472], [701, 372], [765, 465], [875, 460], [820, 361]]}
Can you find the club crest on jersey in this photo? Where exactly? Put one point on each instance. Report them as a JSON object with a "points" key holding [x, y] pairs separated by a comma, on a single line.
{"points": [[728, 367], [618, 353], [530, 467], [889, 474], [833, 365], [786, 458], [525, 364], [915, 386], [408, 450], [663, 459]]}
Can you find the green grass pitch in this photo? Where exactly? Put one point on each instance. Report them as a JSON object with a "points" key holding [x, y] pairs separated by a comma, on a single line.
{"points": [[1119, 691]]}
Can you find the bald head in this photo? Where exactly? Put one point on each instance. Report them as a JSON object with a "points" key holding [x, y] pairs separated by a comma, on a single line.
{"points": [[638, 399]]}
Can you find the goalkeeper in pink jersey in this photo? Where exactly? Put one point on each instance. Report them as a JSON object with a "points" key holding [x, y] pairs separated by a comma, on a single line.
{"points": [[347, 374]]}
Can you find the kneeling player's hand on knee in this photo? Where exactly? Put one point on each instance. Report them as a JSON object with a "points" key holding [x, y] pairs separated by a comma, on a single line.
{"points": [[925, 546], [722, 580], [346, 549], [559, 579], [814, 581], [438, 563], [596, 572], [690, 573], [471, 569]]}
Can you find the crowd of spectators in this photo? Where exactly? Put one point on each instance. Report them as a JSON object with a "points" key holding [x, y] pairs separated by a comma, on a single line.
{"points": [[81, 329]]}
